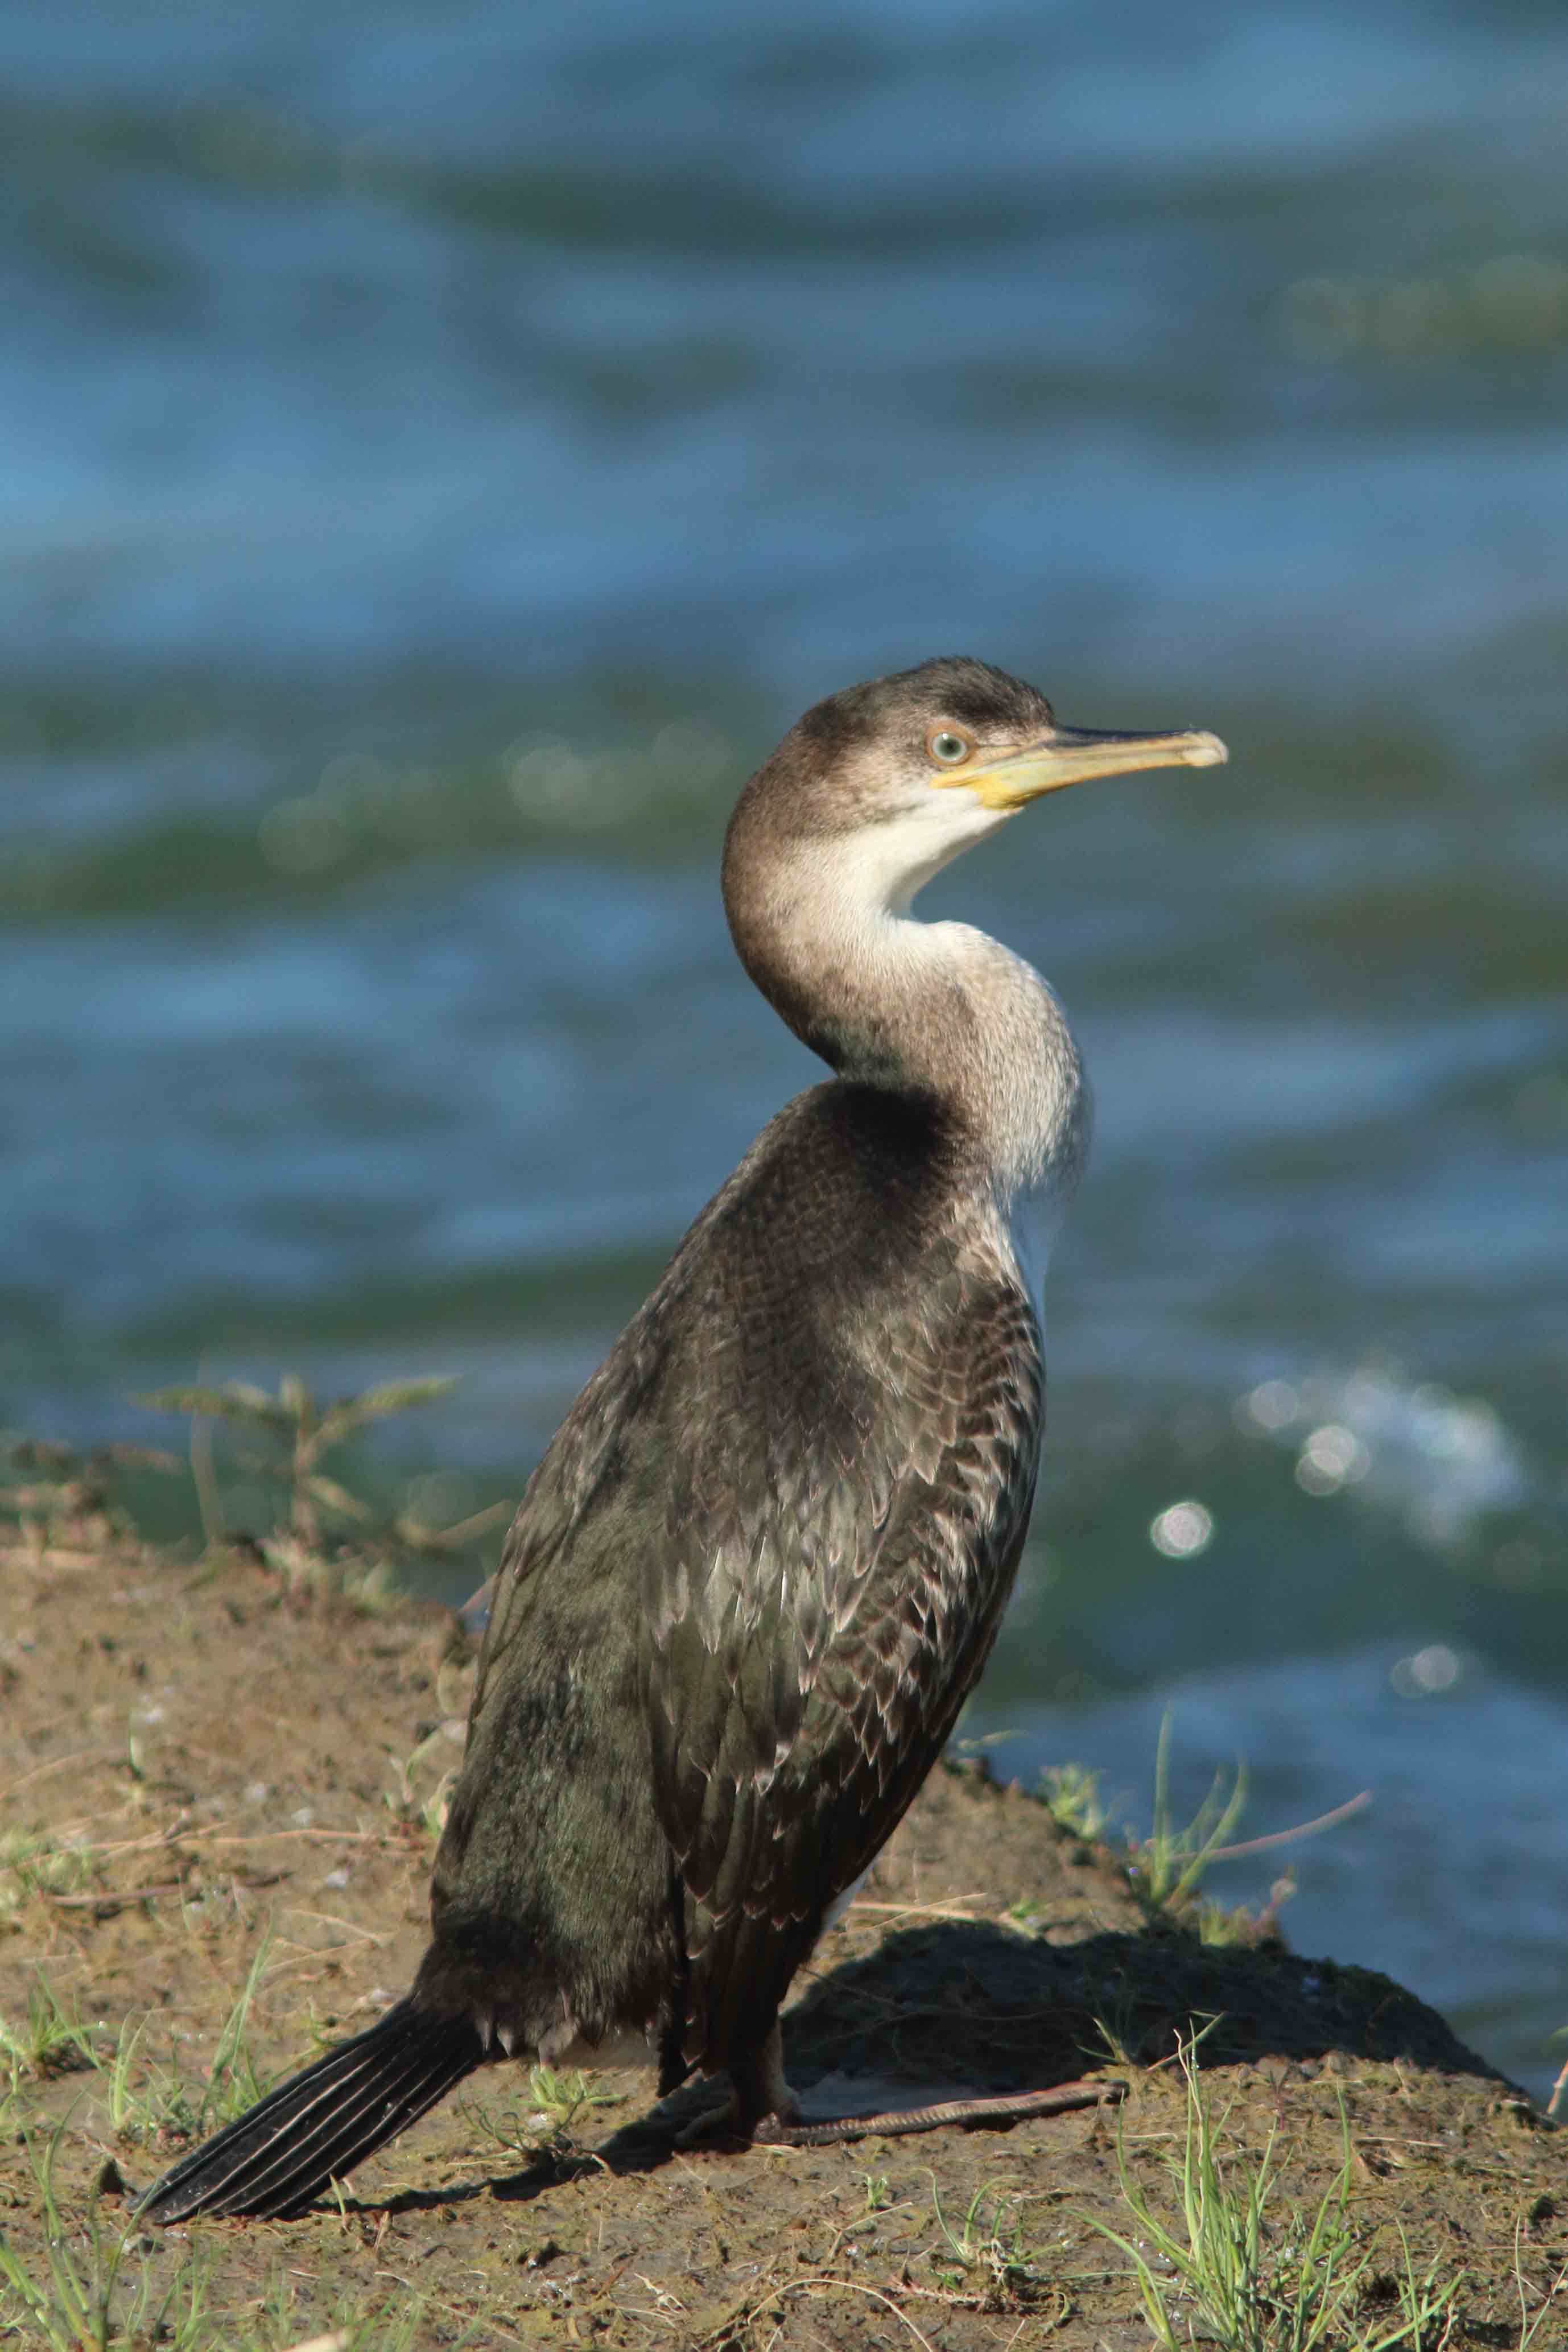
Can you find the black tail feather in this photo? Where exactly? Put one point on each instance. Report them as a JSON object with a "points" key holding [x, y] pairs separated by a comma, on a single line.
{"points": [[322, 2116], [277, 2159], [285, 2174]]}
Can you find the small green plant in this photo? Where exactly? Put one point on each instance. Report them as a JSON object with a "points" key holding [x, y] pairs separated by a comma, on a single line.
{"points": [[1117, 2039], [51, 2038], [1167, 1867], [34, 1865], [61, 1495], [1230, 1923], [879, 2194], [356, 2325], [103, 2289], [148, 2104], [233, 2084], [1214, 1924], [559, 2098], [1071, 1797], [422, 1810], [130, 2110], [297, 1431], [151, 2105], [1253, 2276], [990, 2242], [556, 2100], [75, 2305], [1529, 2322], [1168, 1864], [395, 2326]]}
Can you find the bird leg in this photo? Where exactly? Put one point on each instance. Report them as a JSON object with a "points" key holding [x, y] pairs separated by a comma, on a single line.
{"points": [[768, 2106], [759, 2104]]}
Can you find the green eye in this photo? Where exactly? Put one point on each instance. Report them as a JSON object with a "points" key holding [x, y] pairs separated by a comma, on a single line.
{"points": [[947, 747]]}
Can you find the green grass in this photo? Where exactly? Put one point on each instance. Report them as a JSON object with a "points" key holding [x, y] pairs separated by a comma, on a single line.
{"points": [[987, 2248], [1166, 1868], [1240, 2268], [284, 1439], [80, 2301], [558, 2096], [296, 1431], [315, 1531], [55, 1494], [1531, 2321], [557, 2099], [1071, 1795], [422, 1809], [100, 2288], [1170, 1862], [51, 2040], [151, 2105], [33, 1865]]}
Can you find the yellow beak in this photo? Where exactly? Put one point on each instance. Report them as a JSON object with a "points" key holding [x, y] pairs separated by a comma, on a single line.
{"points": [[1070, 755]]}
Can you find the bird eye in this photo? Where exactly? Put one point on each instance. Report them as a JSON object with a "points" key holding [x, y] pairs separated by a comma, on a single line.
{"points": [[947, 748]]}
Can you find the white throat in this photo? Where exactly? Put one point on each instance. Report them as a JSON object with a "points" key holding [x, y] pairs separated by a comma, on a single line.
{"points": [[944, 1007]]}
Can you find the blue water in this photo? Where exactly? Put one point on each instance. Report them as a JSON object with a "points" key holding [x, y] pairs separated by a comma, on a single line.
{"points": [[440, 449]]}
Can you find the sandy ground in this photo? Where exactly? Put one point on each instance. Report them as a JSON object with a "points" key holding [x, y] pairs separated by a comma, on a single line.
{"points": [[196, 1764]]}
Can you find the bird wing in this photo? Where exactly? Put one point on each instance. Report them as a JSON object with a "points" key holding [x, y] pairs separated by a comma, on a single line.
{"points": [[846, 1505], [590, 1477], [780, 1526]]}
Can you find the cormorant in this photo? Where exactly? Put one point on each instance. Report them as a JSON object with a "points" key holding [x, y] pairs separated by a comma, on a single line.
{"points": [[763, 1561]]}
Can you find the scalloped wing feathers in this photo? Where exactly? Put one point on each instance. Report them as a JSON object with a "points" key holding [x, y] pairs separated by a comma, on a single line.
{"points": [[780, 1525]]}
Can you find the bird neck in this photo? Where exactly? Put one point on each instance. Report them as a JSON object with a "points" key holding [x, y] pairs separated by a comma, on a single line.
{"points": [[935, 1009]]}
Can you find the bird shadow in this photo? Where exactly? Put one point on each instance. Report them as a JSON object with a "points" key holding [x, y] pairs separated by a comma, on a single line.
{"points": [[939, 2008], [1006, 2010]]}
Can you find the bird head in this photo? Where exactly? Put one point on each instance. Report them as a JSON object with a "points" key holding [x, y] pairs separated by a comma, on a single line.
{"points": [[892, 779]]}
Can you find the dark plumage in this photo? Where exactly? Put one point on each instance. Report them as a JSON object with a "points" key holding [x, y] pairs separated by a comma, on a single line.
{"points": [[275, 2160], [763, 1559]]}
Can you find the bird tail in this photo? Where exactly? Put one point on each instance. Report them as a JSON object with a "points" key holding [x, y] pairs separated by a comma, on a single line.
{"points": [[277, 2159]]}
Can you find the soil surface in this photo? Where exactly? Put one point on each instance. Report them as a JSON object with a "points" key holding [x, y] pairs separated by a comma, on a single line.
{"points": [[199, 1765]]}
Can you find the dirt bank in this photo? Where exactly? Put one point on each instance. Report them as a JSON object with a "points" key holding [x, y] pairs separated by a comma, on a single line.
{"points": [[196, 1765]]}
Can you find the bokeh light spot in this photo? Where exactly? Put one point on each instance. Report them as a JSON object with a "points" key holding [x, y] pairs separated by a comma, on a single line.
{"points": [[1426, 1673], [1182, 1530]]}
